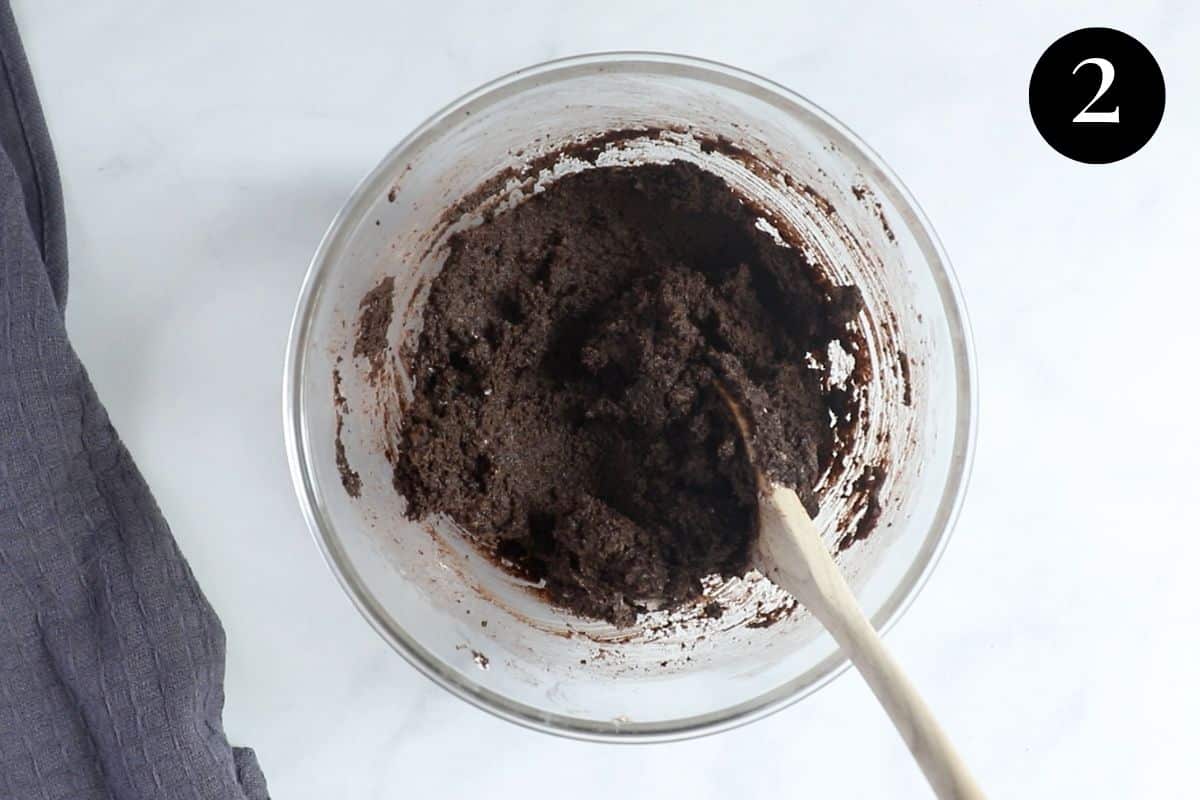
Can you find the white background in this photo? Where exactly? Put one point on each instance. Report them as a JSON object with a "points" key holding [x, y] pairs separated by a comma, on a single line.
{"points": [[205, 146]]}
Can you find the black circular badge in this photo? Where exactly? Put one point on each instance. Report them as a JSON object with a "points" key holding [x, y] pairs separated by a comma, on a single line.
{"points": [[1097, 95]]}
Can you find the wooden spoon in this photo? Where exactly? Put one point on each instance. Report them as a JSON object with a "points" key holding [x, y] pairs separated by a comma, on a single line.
{"points": [[789, 552]]}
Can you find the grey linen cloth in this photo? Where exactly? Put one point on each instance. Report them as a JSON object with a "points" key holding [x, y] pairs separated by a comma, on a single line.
{"points": [[111, 660]]}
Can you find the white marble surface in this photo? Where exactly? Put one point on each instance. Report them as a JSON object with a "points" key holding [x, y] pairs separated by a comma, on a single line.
{"points": [[205, 146]]}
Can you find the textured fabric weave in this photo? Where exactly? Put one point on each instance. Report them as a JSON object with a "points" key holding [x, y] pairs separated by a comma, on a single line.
{"points": [[111, 660]]}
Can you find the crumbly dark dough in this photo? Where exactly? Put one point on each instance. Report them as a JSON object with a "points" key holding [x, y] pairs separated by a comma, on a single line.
{"points": [[565, 411]]}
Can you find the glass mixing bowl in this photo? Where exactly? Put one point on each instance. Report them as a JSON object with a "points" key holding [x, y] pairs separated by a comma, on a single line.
{"points": [[480, 632]]}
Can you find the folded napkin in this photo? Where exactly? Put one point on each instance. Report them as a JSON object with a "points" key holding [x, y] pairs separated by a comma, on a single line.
{"points": [[111, 660]]}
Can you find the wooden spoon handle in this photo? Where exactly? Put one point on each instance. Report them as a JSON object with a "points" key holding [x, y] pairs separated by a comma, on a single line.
{"points": [[941, 763], [795, 558]]}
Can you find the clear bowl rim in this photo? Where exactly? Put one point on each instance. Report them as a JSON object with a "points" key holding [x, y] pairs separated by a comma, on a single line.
{"points": [[322, 529]]}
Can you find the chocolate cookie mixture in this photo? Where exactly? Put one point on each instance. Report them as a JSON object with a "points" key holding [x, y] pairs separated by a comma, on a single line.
{"points": [[565, 411]]}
